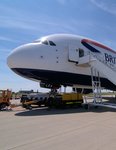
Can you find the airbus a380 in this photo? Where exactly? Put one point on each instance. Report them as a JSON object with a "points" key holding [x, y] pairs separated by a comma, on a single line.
{"points": [[54, 60]]}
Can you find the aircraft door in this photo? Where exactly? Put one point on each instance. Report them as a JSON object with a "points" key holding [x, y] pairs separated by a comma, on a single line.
{"points": [[73, 54]]}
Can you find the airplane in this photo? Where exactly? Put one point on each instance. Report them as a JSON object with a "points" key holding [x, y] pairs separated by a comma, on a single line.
{"points": [[54, 60]]}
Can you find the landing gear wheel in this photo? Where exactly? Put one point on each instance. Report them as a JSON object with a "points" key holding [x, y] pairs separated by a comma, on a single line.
{"points": [[86, 106], [96, 107], [29, 107], [2, 106]]}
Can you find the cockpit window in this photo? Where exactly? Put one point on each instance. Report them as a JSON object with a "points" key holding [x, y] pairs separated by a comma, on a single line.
{"points": [[45, 42], [52, 43]]}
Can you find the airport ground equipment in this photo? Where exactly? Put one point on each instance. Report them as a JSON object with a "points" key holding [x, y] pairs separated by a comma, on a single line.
{"points": [[65, 99], [38, 100], [97, 66], [26, 102], [5, 96], [55, 100]]}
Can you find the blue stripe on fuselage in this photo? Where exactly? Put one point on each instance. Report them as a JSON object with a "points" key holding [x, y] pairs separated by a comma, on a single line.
{"points": [[92, 49]]}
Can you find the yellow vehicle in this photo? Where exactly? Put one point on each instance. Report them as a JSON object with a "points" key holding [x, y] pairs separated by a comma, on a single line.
{"points": [[72, 97], [61, 100], [28, 104], [5, 96]]}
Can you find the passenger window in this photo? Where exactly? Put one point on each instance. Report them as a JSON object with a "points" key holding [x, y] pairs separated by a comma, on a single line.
{"points": [[81, 52], [45, 42], [52, 43]]}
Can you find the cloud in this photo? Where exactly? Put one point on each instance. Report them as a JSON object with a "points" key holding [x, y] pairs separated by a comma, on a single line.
{"points": [[3, 38], [10, 22], [12, 18], [35, 24], [106, 5]]}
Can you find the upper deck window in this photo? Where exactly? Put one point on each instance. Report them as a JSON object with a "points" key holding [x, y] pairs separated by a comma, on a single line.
{"points": [[52, 43]]}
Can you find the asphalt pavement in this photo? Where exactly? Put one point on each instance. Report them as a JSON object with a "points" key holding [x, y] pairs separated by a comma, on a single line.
{"points": [[58, 129]]}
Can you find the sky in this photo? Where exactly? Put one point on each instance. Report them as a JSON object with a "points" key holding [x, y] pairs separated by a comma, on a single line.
{"points": [[23, 21]]}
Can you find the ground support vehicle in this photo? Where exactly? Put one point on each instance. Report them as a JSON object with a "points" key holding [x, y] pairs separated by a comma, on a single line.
{"points": [[5, 96], [38, 100], [65, 100]]}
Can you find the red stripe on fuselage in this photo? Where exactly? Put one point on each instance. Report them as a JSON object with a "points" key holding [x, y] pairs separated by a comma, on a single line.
{"points": [[98, 44]]}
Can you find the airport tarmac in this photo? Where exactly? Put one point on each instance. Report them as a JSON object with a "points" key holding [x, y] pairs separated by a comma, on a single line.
{"points": [[68, 129]]}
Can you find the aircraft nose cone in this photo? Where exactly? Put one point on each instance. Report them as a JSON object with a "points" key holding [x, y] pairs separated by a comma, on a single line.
{"points": [[18, 57], [21, 56], [14, 59]]}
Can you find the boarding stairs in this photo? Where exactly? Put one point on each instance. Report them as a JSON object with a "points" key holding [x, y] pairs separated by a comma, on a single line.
{"points": [[96, 86], [98, 65]]}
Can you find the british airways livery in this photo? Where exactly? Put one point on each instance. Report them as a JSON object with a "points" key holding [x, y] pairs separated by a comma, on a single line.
{"points": [[64, 59]]}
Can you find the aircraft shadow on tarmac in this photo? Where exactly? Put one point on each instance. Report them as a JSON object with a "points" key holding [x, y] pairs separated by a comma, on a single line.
{"points": [[45, 111]]}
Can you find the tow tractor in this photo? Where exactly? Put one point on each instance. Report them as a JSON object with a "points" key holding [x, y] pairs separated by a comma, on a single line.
{"points": [[38, 100], [5, 96]]}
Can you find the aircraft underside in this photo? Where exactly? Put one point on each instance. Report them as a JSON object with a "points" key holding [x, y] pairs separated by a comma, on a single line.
{"points": [[61, 78]]}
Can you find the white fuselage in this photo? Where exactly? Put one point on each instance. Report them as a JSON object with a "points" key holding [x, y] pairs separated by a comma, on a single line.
{"points": [[57, 55]]}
